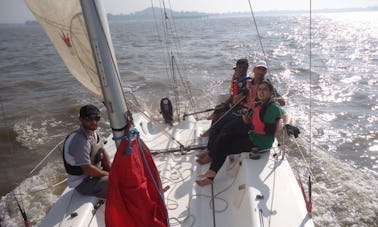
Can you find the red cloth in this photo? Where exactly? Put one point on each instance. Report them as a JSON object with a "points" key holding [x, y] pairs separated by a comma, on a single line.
{"points": [[132, 198]]}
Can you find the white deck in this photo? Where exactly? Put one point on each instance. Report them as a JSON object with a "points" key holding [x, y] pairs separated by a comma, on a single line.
{"points": [[247, 192]]}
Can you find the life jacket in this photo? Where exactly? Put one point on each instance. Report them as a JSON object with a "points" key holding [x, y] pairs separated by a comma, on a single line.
{"points": [[252, 94], [96, 154], [238, 85], [258, 124]]}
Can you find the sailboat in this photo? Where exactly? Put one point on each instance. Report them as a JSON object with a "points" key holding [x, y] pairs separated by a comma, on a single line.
{"points": [[246, 192]]}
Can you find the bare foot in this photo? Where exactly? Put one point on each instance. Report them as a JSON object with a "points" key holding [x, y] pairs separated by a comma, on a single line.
{"points": [[206, 178], [202, 154], [204, 181], [203, 158], [212, 116], [206, 133]]}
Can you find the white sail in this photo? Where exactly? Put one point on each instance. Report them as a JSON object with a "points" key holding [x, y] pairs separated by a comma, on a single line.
{"points": [[64, 24]]}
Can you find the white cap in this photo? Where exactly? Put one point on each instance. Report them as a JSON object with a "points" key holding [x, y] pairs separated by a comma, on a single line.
{"points": [[261, 63]]}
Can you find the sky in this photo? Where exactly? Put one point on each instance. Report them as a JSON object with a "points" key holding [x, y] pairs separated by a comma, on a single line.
{"points": [[15, 11]]}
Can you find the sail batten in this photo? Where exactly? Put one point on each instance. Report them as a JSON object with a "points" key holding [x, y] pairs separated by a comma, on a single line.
{"points": [[64, 24]]}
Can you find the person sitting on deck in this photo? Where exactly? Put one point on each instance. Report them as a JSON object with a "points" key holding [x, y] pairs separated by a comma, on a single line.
{"points": [[237, 88], [264, 122], [232, 122], [85, 159]]}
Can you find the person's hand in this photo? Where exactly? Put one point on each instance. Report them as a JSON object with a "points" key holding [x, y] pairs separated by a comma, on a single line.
{"points": [[292, 130], [236, 99], [280, 100]]}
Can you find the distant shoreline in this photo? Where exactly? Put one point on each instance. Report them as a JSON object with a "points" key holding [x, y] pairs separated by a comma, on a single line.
{"points": [[152, 13]]}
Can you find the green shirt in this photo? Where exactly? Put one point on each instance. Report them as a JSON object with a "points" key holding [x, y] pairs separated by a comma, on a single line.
{"points": [[273, 112]]}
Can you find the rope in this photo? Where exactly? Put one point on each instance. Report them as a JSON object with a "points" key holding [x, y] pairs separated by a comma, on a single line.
{"points": [[20, 204], [258, 35], [46, 156], [310, 104], [227, 112], [132, 133], [173, 46], [213, 204], [157, 124], [331, 211], [141, 150], [135, 133], [21, 208]]}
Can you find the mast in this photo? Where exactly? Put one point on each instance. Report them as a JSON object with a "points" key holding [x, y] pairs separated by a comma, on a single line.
{"points": [[103, 53]]}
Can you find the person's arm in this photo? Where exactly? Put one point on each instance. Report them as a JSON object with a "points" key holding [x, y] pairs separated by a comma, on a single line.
{"points": [[286, 119], [246, 119], [290, 129], [92, 170], [280, 100], [106, 163]]}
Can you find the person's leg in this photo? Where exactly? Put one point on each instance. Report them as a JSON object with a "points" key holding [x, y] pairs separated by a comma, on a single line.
{"points": [[215, 129], [232, 139], [95, 186]]}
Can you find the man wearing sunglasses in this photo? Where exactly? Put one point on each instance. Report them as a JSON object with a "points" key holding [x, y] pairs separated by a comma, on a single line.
{"points": [[85, 159]]}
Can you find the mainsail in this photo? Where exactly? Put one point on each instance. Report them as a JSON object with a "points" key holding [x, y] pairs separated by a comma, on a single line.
{"points": [[64, 24], [79, 31]]}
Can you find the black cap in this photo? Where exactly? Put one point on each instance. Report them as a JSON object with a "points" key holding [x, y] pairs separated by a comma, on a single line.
{"points": [[242, 61], [87, 110]]}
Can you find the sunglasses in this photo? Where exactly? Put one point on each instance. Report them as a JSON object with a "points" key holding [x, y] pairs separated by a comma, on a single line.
{"points": [[89, 119]]}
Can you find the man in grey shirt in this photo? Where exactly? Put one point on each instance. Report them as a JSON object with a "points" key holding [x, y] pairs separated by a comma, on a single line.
{"points": [[85, 159]]}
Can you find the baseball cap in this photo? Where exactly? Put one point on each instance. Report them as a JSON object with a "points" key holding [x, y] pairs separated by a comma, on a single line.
{"points": [[261, 63], [88, 110], [242, 61]]}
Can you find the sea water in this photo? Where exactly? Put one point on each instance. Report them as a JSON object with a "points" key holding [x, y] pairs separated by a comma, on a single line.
{"points": [[333, 100]]}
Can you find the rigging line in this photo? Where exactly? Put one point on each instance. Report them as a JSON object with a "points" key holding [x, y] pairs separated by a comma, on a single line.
{"points": [[174, 47], [13, 147], [162, 37], [186, 86], [213, 204], [310, 58], [157, 124], [159, 190], [227, 112], [46, 156], [177, 45], [171, 74], [322, 193], [274, 186], [177, 98], [21, 206], [165, 38], [258, 35]]}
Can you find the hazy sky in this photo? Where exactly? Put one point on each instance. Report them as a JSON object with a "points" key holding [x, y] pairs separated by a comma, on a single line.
{"points": [[15, 11]]}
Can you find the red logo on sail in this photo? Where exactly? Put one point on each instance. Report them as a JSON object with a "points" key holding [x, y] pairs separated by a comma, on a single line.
{"points": [[66, 39]]}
